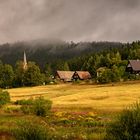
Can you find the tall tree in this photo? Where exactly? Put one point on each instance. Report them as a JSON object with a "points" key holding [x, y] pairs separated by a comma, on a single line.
{"points": [[19, 74], [33, 76], [8, 76], [66, 67]]}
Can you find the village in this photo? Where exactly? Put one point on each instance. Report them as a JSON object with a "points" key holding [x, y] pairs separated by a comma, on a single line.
{"points": [[133, 67], [69, 70]]}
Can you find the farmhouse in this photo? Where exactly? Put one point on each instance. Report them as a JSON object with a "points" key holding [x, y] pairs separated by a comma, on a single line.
{"points": [[65, 76], [133, 66], [81, 75]]}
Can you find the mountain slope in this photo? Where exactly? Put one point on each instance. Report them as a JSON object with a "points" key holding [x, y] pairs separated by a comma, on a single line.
{"points": [[44, 51]]}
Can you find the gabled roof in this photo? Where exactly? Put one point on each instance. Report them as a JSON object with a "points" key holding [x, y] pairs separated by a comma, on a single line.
{"points": [[65, 75], [134, 64], [83, 75]]}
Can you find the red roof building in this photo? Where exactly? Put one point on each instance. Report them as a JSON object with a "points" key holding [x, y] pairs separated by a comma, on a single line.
{"points": [[81, 75], [133, 66], [65, 76]]}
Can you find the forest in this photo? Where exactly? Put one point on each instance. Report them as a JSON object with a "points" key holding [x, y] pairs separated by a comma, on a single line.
{"points": [[44, 58]]}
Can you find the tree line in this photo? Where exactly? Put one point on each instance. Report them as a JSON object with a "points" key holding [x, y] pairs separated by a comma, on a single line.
{"points": [[110, 63], [18, 77]]}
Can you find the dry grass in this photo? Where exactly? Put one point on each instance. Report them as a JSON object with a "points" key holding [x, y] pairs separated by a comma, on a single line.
{"points": [[100, 97]]}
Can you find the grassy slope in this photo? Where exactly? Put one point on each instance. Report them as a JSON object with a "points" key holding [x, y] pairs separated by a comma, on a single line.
{"points": [[100, 97], [105, 99]]}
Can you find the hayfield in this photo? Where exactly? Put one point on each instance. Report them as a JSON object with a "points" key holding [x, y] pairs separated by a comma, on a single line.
{"points": [[110, 97], [83, 111]]}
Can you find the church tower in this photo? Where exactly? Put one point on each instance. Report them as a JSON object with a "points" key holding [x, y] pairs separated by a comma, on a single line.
{"points": [[24, 61]]}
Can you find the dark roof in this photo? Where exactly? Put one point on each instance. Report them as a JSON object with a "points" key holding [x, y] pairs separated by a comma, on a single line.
{"points": [[134, 64], [65, 75], [83, 75]]}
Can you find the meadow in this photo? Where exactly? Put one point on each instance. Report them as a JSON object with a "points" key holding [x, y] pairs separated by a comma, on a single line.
{"points": [[109, 97], [79, 111]]}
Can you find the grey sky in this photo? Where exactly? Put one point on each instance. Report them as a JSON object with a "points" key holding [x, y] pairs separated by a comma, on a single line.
{"points": [[77, 20]]}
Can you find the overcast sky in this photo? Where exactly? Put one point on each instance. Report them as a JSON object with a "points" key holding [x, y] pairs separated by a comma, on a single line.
{"points": [[77, 20]]}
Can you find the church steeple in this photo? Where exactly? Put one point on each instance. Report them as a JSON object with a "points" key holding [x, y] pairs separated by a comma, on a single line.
{"points": [[24, 61]]}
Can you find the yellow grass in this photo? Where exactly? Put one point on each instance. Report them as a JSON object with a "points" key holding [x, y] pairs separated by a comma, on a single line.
{"points": [[108, 97]]}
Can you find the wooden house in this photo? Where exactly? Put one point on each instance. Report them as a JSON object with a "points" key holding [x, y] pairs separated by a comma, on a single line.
{"points": [[133, 66], [65, 76], [81, 75]]}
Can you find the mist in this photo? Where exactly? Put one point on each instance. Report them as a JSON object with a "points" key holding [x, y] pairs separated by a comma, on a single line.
{"points": [[69, 20]]}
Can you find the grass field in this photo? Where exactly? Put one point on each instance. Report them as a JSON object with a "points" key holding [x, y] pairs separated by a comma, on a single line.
{"points": [[84, 111], [97, 97]]}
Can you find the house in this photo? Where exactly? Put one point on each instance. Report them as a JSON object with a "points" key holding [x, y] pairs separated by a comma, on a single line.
{"points": [[81, 75], [65, 76], [133, 66]]}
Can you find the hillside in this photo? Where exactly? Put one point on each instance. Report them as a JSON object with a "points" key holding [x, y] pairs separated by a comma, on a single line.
{"points": [[46, 51]]}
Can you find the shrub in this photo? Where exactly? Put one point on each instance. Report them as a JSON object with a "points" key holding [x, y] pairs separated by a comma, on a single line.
{"points": [[26, 109], [127, 125], [105, 76], [11, 109], [41, 107], [27, 130], [4, 98], [24, 102], [38, 106]]}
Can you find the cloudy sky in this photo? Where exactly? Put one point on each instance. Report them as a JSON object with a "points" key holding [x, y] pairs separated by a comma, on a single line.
{"points": [[77, 20]]}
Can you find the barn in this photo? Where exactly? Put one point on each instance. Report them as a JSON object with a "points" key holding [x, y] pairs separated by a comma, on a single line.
{"points": [[133, 66], [65, 76], [81, 75]]}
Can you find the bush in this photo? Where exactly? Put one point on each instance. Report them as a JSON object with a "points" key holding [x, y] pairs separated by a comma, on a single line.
{"points": [[26, 109], [4, 98], [127, 125], [38, 106], [41, 107], [105, 77], [27, 130], [11, 109], [24, 102]]}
